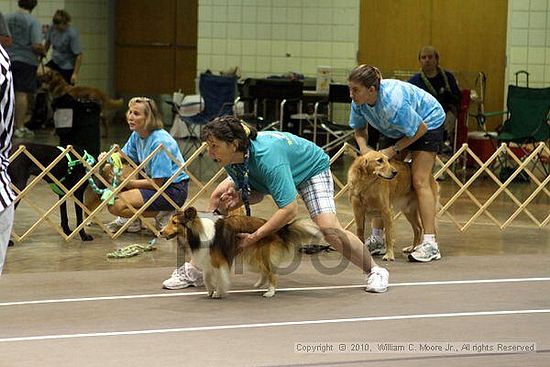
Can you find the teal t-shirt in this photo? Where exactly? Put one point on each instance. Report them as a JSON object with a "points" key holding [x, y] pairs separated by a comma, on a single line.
{"points": [[279, 162]]}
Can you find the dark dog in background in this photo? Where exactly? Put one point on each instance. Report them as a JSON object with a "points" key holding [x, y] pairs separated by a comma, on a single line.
{"points": [[22, 167]]}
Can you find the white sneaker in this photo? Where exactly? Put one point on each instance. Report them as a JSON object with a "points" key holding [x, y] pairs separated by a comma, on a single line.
{"points": [[377, 280], [184, 276], [163, 218], [425, 252], [117, 224], [376, 245], [19, 133], [28, 132]]}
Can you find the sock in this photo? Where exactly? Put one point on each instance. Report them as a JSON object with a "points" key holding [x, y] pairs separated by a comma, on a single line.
{"points": [[378, 232], [429, 238]]}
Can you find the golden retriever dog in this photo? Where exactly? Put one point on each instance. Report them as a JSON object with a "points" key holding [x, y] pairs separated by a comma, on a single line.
{"points": [[58, 87], [380, 187], [214, 244]]}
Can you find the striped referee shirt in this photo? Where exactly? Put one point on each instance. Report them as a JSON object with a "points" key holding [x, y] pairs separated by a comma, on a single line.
{"points": [[7, 106]]}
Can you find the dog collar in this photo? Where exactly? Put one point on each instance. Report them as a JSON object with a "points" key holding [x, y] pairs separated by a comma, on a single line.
{"points": [[71, 163]]}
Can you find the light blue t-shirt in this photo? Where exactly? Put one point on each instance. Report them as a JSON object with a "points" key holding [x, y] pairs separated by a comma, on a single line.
{"points": [[400, 108], [65, 46], [25, 32], [160, 166], [279, 162]]}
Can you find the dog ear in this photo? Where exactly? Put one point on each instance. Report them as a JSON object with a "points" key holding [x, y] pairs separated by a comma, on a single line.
{"points": [[365, 166], [190, 213]]}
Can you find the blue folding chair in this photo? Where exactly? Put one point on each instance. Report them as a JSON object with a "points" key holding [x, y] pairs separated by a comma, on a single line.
{"points": [[218, 93]]}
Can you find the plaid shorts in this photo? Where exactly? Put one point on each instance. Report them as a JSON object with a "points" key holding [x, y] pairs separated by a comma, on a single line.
{"points": [[318, 194]]}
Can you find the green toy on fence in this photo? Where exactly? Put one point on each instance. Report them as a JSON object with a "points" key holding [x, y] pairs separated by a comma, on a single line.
{"points": [[105, 193]]}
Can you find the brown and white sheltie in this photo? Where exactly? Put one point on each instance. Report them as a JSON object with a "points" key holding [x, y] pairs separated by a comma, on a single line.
{"points": [[214, 245]]}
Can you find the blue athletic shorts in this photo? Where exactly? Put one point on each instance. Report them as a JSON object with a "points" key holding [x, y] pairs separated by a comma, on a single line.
{"points": [[429, 142], [24, 77], [176, 191]]}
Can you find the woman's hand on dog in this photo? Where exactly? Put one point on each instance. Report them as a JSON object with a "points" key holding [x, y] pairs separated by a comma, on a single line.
{"points": [[231, 200], [225, 197], [388, 152], [246, 240]]}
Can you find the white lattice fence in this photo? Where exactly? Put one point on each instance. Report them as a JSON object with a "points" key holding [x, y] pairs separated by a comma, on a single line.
{"points": [[464, 194], [46, 215]]}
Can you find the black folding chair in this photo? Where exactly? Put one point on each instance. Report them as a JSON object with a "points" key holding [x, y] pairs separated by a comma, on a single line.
{"points": [[336, 134], [270, 99]]}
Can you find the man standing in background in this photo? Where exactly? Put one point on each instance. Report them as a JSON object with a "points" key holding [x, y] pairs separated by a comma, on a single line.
{"points": [[6, 129], [441, 84], [26, 47]]}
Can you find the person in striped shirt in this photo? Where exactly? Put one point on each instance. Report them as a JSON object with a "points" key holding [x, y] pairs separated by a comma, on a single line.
{"points": [[7, 197]]}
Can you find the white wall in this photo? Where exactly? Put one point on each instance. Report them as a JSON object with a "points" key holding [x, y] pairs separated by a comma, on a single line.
{"points": [[265, 37], [528, 45], [90, 17]]}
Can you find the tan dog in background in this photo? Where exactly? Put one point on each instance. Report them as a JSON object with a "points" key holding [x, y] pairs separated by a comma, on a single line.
{"points": [[380, 187], [58, 87]]}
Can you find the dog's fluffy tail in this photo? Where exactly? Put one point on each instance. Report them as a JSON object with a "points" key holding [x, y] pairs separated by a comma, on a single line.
{"points": [[113, 104], [299, 232]]}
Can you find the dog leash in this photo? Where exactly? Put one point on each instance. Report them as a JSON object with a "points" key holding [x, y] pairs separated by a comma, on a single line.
{"points": [[242, 181], [71, 164]]}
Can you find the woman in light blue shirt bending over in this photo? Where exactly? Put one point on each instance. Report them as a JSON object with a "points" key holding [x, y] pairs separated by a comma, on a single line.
{"points": [[410, 119]]}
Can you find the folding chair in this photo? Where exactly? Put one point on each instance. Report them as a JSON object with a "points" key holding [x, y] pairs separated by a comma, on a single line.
{"points": [[218, 93], [527, 123], [273, 96], [528, 120], [336, 134]]}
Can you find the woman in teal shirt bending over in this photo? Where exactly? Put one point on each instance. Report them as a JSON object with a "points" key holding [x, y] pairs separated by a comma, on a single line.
{"points": [[281, 165]]}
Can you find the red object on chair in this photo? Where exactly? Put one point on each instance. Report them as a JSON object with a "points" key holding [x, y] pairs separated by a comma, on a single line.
{"points": [[482, 146], [462, 119]]}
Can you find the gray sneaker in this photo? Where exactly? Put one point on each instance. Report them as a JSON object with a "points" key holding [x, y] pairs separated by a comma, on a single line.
{"points": [[425, 252], [376, 245]]}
